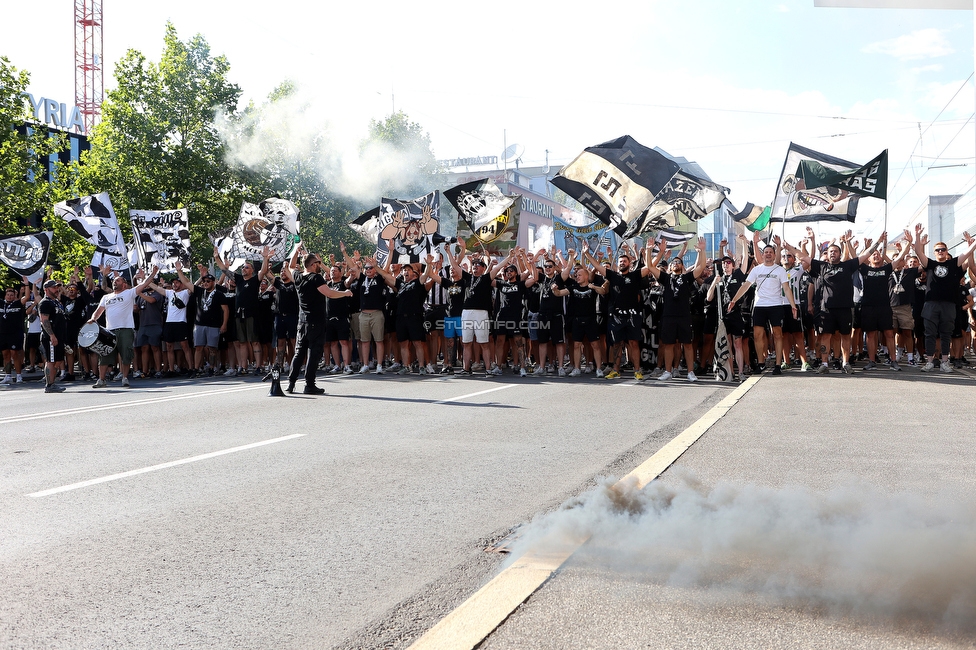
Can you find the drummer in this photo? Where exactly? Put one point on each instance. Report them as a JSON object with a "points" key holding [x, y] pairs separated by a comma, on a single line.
{"points": [[117, 307]]}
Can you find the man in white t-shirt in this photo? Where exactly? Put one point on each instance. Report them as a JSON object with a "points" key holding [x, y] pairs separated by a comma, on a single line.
{"points": [[118, 307], [176, 331], [772, 285]]}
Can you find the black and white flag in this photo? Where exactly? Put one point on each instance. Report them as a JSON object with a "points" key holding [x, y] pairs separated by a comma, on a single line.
{"points": [[93, 218], [796, 202], [161, 237], [273, 223], [616, 180], [26, 254], [685, 198], [484, 208]]}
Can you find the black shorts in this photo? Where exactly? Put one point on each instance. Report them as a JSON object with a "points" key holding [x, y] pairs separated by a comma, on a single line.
{"points": [[856, 317], [676, 329], [52, 356], [286, 326], [771, 316], [13, 341], [710, 322], [508, 326], [410, 328], [734, 325], [434, 318], [876, 319], [176, 332], [835, 321], [624, 327], [584, 328], [792, 325], [390, 324], [551, 328], [337, 329]]}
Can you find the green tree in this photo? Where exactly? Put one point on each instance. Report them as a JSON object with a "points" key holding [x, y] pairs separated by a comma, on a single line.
{"points": [[24, 152], [158, 145]]}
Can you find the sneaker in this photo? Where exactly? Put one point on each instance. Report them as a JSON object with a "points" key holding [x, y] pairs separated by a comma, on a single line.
{"points": [[422, 370], [588, 369], [291, 387], [562, 373], [665, 376], [101, 383], [912, 362], [430, 369], [379, 370], [806, 367], [401, 371], [54, 388], [656, 373], [117, 377], [137, 374], [823, 369], [575, 372], [928, 367], [848, 370], [395, 366], [945, 366], [347, 370], [125, 382], [638, 375], [599, 373], [523, 373], [231, 372], [870, 365], [313, 390], [613, 374], [693, 378], [20, 379], [895, 366], [8, 380], [777, 370], [495, 371], [785, 366]]}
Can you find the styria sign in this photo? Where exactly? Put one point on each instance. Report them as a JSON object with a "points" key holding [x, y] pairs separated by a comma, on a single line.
{"points": [[56, 114]]}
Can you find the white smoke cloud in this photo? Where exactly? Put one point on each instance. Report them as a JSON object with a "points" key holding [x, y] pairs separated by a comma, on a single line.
{"points": [[851, 551], [304, 126]]}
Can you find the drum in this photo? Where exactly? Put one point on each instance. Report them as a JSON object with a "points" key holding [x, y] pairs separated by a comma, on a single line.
{"points": [[96, 339]]}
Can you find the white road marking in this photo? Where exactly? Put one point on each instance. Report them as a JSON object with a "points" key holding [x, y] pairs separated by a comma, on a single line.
{"points": [[124, 404], [481, 392], [144, 470]]}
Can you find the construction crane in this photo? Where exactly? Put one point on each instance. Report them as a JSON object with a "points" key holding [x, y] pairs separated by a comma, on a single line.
{"points": [[89, 84]]}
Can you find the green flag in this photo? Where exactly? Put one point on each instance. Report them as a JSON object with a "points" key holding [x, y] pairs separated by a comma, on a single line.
{"points": [[869, 180], [753, 217]]}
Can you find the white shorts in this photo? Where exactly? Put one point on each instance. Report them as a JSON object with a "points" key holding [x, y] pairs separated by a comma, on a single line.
{"points": [[474, 325]]}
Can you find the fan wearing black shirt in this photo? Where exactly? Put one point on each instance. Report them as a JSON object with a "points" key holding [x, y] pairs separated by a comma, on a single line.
{"points": [[476, 315], [211, 319], [13, 310], [512, 286], [246, 307], [625, 305], [411, 290], [582, 291], [942, 278], [54, 327], [312, 292]]}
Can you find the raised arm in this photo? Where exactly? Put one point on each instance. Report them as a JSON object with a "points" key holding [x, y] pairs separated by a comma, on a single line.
{"points": [[699, 258], [920, 241], [869, 250]]}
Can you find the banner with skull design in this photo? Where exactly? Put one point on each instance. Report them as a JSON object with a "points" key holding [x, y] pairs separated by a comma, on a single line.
{"points": [[26, 254], [161, 237], [795, 202], [93, 218], [273, 223], [412, 225], [490, 216]]}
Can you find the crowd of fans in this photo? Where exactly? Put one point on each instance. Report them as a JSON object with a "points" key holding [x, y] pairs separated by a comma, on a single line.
{"points": [[780, 307]]}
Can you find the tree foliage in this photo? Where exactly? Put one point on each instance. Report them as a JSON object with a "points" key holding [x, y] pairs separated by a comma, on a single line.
{"points": [[158, 145]]}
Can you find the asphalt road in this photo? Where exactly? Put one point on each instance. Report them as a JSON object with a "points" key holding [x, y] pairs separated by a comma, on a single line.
{"points": [[207, 514]]}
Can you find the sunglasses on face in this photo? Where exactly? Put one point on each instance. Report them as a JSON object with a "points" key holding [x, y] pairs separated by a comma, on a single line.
{"points": [[941, 250]]}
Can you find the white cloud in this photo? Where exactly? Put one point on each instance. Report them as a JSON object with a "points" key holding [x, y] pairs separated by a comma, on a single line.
{"points": [[921, 44]]}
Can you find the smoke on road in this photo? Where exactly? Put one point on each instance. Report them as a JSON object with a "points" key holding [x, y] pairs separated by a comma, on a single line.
{"points": [[851, 551]]}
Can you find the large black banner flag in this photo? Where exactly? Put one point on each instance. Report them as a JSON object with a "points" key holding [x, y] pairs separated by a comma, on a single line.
{"points": [[616, 180], [414, 227], [795, 201], [26, 254], [869, 180], [93, 218]]}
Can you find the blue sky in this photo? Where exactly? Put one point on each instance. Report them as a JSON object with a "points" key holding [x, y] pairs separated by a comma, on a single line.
{"points": [[726, 84]]}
